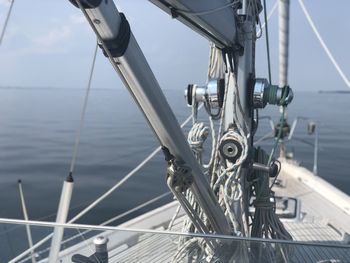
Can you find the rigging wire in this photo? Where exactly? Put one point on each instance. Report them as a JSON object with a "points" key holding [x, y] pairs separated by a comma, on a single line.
{"points": [[6, 21], [123, 180], [268, 135], [323, 44], [67, 188], [9, 242], [267, 42], [173, 233], [272, 11], [83, 113]]}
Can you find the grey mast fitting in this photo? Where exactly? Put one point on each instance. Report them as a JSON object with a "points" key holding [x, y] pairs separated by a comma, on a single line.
{"points": [[138, 77]]}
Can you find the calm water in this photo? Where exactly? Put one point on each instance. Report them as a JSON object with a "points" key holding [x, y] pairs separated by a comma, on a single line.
{"points": [[37, 130]]}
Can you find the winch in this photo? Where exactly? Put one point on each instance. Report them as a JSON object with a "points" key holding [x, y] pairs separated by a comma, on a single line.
{"points": [[212, 93], [266, 93]]}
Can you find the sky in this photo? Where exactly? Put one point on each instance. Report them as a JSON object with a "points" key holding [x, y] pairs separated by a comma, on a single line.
{"points": [[49, 44]]}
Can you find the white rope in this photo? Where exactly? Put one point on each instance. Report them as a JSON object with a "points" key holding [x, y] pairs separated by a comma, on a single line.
{"points": [[323, 44], [186, 250], [221, 124], [213, 144], [228, 200], [196, 138], [174, 217]]}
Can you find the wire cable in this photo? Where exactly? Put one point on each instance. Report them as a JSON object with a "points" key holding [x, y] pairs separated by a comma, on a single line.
{"points": [[174, 233], [272, 11], [323, 44], [267, 42], [6, 21], [83, 113]]}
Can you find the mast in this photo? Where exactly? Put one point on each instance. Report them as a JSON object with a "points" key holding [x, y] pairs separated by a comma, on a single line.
{"points": [[283, 41], [245, 69], [283, 24], [238, 109]]}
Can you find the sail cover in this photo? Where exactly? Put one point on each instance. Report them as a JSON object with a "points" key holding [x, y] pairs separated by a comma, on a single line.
{"points": [[213, 19]]}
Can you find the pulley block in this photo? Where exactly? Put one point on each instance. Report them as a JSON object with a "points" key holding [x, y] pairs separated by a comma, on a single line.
{"points": [[231, 146]]}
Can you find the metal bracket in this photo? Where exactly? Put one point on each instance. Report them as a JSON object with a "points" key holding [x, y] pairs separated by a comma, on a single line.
{"points": [[179, 176]]}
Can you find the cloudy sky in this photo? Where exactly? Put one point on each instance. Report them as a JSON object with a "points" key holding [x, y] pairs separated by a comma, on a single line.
{"points": [[48, 44]]}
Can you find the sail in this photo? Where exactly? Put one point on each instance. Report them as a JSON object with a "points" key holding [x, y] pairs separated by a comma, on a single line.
{"points": [[207, 17]]}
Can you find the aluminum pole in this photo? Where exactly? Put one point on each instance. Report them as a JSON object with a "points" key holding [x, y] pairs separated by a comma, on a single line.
{"points": [[283, 41], [239, 91], [245, 69], [61, 218], [314, 169], [25, 215], [138, 77], [283, 24]]}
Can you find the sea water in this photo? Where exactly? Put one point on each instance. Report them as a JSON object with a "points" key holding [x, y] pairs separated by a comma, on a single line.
{"points": [[37, 133]]}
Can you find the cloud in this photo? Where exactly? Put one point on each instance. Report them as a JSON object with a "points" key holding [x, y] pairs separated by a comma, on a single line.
{"points": [[56, 39], [5, 2], [53, 40], [77, 19]]}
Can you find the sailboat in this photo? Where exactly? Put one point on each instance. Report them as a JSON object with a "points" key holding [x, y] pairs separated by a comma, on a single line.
{"points": [[245, 204]]}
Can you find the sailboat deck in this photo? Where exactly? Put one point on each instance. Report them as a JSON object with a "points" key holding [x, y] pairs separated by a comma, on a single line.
{"points": [[320, 221], [150, 248]]}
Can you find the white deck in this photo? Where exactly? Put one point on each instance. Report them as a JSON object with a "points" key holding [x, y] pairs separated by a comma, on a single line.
{"points": [[324, 219]]}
